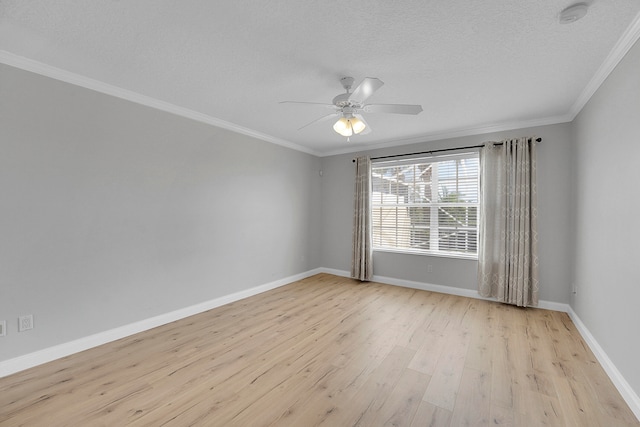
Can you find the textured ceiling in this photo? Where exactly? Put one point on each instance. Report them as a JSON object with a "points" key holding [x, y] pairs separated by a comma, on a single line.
{"points": [[474, 66]]}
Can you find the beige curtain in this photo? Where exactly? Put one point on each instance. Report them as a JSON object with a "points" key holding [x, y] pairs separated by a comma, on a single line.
{"points": [[362, 256], [508, 240]]}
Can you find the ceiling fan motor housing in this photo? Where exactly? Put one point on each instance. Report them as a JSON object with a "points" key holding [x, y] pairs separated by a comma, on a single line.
{"points": [[343, 101], [347, 83]]}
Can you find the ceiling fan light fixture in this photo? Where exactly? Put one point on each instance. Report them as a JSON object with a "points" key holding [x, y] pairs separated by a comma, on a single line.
{"points": [[347, 126], [357, 125], [350, 105], [343, 127]]}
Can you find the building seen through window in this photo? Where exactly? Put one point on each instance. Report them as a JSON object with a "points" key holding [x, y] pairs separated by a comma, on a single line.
{"points": [[427, 205]]}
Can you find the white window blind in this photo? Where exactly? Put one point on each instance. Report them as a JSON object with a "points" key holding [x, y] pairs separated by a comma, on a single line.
{"points": [[427, 205]]}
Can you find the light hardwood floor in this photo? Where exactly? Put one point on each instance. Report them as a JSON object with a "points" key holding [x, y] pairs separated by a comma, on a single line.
{"points": [[330, 351]]}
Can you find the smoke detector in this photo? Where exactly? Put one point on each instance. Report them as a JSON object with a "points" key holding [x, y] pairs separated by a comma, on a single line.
{"points": [[573, 13]]}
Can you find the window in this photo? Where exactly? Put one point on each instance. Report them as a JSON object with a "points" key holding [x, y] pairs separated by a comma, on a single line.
{"points": [[426, 205]]}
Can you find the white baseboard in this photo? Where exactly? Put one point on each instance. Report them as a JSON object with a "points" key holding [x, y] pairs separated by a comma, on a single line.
{"points": [[628, 394], [20, 363], [335, 272], [470, 293], [30, 360]]}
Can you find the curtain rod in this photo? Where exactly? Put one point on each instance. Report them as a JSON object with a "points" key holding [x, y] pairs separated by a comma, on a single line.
{"points": [[438, 151]]}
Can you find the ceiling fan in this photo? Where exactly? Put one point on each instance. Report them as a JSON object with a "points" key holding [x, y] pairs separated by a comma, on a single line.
{"points": [[349, 106]]}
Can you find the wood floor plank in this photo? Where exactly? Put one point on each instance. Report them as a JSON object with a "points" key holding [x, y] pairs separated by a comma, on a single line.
{"points": [[501, 416], [537, 409], [473, 400], [429, 415], [427, 355], [503, 380], [330, 351], [479, 353], [366, 402], [401, 406], [445, 381]]}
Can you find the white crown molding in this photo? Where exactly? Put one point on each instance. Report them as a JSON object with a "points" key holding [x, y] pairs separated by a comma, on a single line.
{"points": [[43, 69], [620, 49], [27, 64], [624, 44], [458, 133]]}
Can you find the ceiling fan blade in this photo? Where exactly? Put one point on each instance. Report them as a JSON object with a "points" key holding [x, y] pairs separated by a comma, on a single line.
{"points": [[365, 89], [393, 108], [322, 104], [367, 128], [321, 119]]}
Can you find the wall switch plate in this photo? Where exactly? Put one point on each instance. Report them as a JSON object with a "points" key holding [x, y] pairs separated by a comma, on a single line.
{"points": [[3, 328], [25, 323]]}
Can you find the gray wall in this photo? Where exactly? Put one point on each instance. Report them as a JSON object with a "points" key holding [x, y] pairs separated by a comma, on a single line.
{"points": [[554, 201], [113, 212], [607, 205]]}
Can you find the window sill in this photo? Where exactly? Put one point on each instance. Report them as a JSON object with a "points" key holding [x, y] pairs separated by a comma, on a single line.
{"points": [[472, 257]]}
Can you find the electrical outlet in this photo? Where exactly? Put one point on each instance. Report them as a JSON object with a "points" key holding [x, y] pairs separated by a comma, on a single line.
{"points": [[3, 328], [25, 323], [429, 268]]}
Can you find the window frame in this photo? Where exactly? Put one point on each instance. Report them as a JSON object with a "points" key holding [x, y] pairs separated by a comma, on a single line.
{"points": [[435, 208]]}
